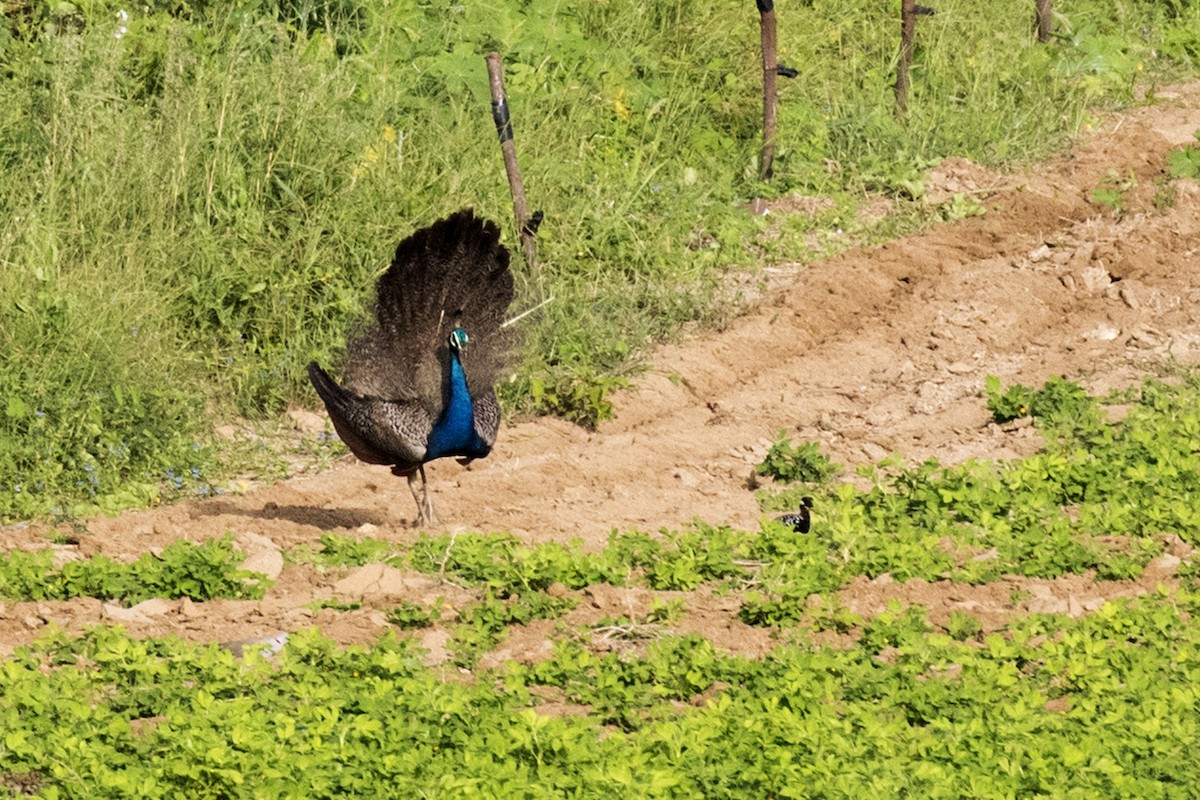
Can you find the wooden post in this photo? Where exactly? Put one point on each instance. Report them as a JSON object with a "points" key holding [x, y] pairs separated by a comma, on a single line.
{"points": [[1045, 19], [505, 131], [766, 18], [908, 25]]}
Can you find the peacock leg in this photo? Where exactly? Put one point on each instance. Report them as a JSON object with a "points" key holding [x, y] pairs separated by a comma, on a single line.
{"points": [[412, 487], [425, 515]]}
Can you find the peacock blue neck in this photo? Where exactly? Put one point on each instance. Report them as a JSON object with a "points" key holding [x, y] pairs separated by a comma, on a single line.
{"points": [[454, 432]]}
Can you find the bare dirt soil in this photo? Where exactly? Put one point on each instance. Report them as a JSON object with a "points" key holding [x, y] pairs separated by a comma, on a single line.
{"points": [[877, 350]]}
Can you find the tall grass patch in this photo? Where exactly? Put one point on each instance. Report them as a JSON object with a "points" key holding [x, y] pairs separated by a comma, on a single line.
{"points": [[196, 198]]}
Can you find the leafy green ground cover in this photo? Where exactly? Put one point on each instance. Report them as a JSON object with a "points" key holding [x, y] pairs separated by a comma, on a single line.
{"points": [[1104, 706], [194, 197], [200, 571]]}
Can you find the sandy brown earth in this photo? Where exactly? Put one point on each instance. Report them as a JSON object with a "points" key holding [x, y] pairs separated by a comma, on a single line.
{"points": [[877, 350]]}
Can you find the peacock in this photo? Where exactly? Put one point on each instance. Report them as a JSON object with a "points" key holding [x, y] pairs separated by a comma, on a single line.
{"points": [[419, 374], [802, 519]]}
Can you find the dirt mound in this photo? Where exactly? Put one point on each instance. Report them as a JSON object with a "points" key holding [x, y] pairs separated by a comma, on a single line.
{"points": [[878, 350]]}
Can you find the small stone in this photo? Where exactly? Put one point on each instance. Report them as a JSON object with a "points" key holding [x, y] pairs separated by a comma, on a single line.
{"points": [[119, 614], [1094, 279], [382, 580], [1164, 566], [271, 644], [1127, 296], [265, 562], [874, 451], [1040, 253], [1103, 333], [154, 607]]}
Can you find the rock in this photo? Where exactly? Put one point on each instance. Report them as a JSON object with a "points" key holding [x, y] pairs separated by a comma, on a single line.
{"points": [[1103, 333], [261, 554], [119, 614], [874, 451], [1093, 279], [1162, 567], [272, 643], [154, 607], [381, 580]]}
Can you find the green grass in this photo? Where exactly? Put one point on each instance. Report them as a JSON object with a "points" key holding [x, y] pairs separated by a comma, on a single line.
{"points": [[1101, 706], [193, 210]]}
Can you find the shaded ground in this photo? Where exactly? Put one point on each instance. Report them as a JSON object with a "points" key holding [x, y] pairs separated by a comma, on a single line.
{"points": [[878, 350]]}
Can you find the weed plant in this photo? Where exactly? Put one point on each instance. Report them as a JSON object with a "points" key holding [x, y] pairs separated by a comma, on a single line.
{"points": [[195, 198], [1100, 706], [198, 571]]}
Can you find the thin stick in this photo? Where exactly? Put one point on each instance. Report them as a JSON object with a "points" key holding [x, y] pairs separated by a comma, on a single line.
{"points": [[766, 19], [1045, 20], [908, 24], [526, 313], [505, 131]]}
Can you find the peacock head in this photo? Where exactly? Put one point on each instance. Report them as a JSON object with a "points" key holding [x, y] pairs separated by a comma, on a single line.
{"points": [[458, 341]]}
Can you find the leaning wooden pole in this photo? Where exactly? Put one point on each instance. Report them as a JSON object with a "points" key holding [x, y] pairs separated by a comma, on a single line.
{"points": [[504, 129], [766, 18], [1045, 20], [908, 25]]}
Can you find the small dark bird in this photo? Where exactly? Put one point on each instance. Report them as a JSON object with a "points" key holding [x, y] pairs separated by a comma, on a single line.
{"points": [[419, 375], [801, 520]]}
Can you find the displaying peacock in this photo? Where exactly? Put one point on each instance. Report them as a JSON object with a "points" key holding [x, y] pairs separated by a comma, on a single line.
{"points": [[419, 373]]}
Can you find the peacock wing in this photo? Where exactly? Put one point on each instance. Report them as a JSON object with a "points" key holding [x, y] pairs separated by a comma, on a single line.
{"points": [[487, 415], [377, 431]]}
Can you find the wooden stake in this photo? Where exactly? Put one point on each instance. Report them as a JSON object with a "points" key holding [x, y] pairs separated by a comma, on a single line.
{"points": [[1045, 20], [908, 25], [766, 18], [505, 131]]}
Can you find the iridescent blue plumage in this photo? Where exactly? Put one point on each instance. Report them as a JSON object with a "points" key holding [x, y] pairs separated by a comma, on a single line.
{"points": [[454, 432]]}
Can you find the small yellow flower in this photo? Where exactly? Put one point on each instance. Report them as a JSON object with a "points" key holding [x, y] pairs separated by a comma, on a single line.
{"points": [[619, 106], [377, 151]]}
